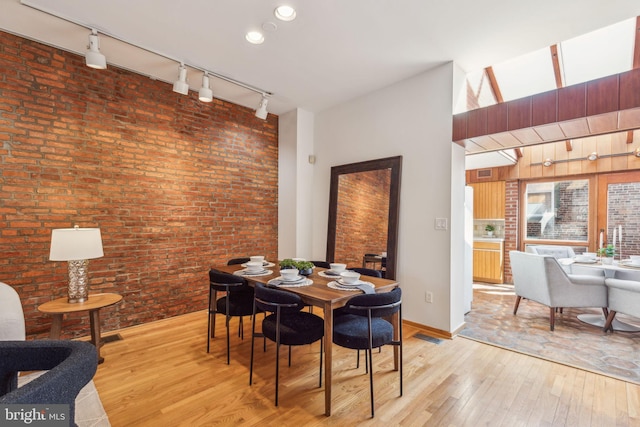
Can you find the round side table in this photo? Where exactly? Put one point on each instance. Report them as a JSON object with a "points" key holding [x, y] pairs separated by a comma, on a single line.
{"points": [[59, 307]]}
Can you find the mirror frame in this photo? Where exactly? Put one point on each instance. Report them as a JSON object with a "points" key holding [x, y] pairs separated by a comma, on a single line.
{"points": [[393, 163]]}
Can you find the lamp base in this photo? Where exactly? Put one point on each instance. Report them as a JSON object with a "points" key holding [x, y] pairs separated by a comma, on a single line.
{"points": [[78, 281]]}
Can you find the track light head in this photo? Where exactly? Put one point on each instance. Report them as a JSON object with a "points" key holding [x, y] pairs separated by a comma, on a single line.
{"points": [[547, 163], [205, 94], [261, 111], [593, 156], [93, 57], [181, 86]]}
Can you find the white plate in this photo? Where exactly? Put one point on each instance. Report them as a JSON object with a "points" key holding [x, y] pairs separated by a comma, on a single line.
{"points": [[585, 260], [254, 272], [630, 263], [265, 264], [354, 284], [297, 279]]}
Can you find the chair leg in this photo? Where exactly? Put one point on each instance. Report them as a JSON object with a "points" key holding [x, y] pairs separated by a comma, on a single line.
{"points": [[358, 359], [552, 318], [608, 325], [515, 307], [369, 352], [253, 335], [289, 356], [277, 363]]}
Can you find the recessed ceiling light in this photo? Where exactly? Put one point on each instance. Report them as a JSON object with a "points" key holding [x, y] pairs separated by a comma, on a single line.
{"points": [[285, 13], [254, 37]]}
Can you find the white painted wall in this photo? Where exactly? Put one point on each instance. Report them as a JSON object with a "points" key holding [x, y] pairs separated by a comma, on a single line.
{"points": [[295, 179], [413, 119]]}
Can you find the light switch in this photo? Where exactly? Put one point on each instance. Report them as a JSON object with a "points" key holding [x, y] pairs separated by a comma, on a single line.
{"points": [[441, 224]]}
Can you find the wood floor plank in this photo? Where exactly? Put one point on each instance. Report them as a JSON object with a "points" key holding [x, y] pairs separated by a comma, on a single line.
{"points": [[160, 374]]}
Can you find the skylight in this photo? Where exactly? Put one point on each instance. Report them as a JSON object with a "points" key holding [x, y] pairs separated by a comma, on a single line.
{"points": [[526, 75], [598, 54], [601, 53]]}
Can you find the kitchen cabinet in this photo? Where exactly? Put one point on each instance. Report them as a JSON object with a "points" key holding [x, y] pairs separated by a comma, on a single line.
{"points": [[488, 260], [489, 200]]}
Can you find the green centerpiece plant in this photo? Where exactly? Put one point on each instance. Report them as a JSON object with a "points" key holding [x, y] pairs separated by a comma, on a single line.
{"points": [[305, 267], [607, 253]]}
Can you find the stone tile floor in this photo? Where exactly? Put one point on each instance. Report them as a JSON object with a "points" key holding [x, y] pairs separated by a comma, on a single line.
{"points": [[572, 343]]}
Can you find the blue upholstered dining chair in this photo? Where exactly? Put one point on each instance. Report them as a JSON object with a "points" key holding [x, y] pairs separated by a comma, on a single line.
{"points": [[70, 365], [238, 302], [362, 326], [321, 264], [286, 325]]}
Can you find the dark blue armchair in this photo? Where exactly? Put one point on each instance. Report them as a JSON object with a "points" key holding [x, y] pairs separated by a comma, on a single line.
{"points": [[69, 365]]}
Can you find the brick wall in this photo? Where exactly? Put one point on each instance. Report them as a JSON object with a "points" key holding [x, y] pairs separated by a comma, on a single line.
{"points": [[174, 184], [623, 211], [510, 226], [363, 215]]}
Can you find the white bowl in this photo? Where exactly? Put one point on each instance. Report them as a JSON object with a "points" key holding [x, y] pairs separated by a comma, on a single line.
{"points": [[583, 258], [337, 267], [254, 266], [350, 277], [635, 259], [289, 274], [257, 258], [591, 255]]}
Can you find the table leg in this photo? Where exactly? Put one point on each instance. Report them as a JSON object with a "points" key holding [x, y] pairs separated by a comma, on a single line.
{"points": [[328, 347], [599, 321], [94, 319], [56, 327]]}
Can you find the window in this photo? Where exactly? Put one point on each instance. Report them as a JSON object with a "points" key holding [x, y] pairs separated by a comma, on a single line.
{"points": [[557, 210]]}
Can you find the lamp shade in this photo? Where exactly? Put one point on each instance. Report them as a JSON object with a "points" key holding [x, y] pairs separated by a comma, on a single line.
{"points": [[69, 244]]}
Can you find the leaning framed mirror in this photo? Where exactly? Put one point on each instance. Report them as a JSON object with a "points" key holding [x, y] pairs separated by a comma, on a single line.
{"points": [[364, 202]]}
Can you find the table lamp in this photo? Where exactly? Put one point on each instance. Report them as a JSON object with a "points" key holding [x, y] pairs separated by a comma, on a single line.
{"points": [[77, 246]]}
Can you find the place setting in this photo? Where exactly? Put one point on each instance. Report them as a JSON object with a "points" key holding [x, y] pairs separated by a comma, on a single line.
{"points": [[335, 269], [586, 258], [290, 278], [259, 258], [350, 281], [632, 262], [254, 269]]}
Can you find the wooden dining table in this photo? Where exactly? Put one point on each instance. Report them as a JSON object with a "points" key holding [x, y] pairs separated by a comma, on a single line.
{"points": [[319, 294]]}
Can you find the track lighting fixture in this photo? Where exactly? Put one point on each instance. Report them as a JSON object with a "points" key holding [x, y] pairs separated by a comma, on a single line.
{"points": [[593, 156], [261, 111], [205, 94], [547, 163], [181, 86], [93, 57]]}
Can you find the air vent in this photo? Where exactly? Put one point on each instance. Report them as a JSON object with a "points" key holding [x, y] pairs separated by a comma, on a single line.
{"points": [[484, 173]]}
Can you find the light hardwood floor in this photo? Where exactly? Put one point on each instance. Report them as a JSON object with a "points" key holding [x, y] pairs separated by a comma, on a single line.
{"points": [[161, 375]]}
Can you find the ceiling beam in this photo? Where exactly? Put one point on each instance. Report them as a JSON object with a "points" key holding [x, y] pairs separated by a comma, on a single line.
{"points": [[568, 145], [557, 70], [494, 84]]}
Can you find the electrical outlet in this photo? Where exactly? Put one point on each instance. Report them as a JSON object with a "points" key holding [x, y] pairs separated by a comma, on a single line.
{"points": [[441, 224], [428, 296]]}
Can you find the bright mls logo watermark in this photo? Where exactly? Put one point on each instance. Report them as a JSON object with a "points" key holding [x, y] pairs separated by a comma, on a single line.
{"points": [[34, 415]]}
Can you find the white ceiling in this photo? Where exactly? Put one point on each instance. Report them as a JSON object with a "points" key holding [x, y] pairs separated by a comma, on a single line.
{"points": [[335, 50]]}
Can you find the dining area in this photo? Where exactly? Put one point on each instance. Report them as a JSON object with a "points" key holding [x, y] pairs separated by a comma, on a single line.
{"points": [[289, 306]]}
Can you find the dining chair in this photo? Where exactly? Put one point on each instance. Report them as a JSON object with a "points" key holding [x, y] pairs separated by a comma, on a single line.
{"points": [[286, 325], [238, 302], [237, 261], [624, 297], [321, 264], [541, 279], [363, 327]]}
